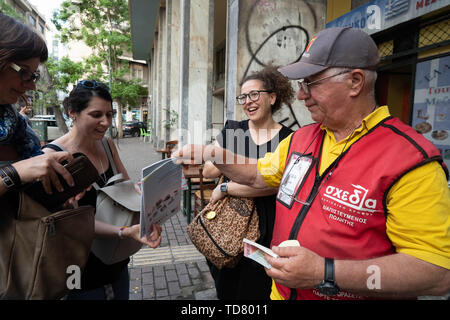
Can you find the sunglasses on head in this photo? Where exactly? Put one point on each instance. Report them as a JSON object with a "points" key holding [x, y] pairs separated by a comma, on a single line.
{"points": [[92, 84]]}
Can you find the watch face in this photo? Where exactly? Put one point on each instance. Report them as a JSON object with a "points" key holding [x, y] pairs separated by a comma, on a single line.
{"points": [[328, 288], [223, 187], [330, 291], [8, 182]]}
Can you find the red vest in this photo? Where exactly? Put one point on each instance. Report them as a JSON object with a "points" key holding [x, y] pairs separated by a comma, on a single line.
{"points": [[347, 215]]}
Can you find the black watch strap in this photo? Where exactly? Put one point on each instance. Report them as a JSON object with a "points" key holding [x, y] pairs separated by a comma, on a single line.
{"points": [[328, 286], [10, 177], [329, 270]]}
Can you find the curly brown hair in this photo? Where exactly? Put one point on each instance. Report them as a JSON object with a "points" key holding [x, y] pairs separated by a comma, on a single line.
{"points": [[274, 82]]}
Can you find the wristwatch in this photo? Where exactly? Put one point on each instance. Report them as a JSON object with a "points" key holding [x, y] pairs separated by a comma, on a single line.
{"points": [[10, 177], [223, 187], [328, 286]]}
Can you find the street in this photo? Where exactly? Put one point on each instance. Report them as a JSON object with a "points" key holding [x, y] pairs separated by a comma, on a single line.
{"points": [[175, 270]]}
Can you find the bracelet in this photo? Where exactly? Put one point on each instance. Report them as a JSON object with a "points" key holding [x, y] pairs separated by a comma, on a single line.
{"points": [[121, 231], [10, 177]]}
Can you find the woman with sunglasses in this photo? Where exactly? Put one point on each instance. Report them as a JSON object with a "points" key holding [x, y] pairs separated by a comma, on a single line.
{"points": [[89, 105], [262, 93], [21, 158]]}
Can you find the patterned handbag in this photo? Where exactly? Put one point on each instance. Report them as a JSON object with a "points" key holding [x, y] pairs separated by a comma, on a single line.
{"points": [[219, 229]]}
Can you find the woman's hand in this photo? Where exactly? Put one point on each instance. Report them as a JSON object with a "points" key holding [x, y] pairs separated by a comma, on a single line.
{"points": [[45, 168], [217, 195], [153, 240], [73, 202], [137, 187]]}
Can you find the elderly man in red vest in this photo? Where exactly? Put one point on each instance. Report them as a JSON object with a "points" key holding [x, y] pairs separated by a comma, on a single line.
{"points": [[365, 196]]}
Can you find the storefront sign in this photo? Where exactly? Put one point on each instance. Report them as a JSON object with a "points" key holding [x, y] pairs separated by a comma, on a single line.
{"points": [[431, 112], [379, 15]]}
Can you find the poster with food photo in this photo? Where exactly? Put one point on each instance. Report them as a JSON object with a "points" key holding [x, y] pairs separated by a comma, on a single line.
{"points": [[431, 112]]}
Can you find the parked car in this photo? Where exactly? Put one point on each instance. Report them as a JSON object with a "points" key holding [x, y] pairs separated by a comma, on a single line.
{"points": [[132, 128], [53, 131]]}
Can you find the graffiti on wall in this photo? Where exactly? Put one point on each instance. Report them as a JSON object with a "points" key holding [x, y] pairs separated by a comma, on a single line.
{"points": [[283, 36]]}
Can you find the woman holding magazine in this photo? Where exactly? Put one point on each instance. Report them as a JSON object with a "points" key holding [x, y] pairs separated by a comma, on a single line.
{"points": [[89, 105], [262, 93]]}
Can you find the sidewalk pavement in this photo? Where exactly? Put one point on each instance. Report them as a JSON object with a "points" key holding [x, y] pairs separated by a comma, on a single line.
{"points": [[175, 270]]}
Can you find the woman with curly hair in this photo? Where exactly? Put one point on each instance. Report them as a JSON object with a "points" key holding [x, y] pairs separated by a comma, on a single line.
{"points": [[262, 93]]}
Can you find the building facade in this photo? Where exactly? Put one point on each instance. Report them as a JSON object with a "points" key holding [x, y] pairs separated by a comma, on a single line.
{"points": [[30, 15], [198, 51]]}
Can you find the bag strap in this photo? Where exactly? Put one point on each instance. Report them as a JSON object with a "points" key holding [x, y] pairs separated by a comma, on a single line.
{"points": [[55, 146], [109, 155], [117, 177]]}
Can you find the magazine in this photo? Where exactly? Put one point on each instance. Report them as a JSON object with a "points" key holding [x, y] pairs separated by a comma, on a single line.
{"points": [[161, 193]]}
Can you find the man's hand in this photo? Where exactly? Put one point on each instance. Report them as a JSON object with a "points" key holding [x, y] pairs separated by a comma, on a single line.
{"points": [[189, 154], [297, 267]]}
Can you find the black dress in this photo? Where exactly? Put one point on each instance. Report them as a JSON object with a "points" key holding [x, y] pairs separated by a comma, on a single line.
{"points": [[248, 280]]}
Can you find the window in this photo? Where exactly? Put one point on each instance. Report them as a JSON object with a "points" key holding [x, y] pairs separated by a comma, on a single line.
{"points": [[434, 33], [32, 20], [220, 67], [358, 3], [138, 73]]}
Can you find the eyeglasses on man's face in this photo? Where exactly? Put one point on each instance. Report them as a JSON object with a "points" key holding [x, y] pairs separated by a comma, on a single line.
{"points": [[304, 85], [92, 84], [24, 74], [253, 95]]}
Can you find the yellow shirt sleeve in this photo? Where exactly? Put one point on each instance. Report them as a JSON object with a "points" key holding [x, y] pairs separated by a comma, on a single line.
{"points": [[274, 294], [418, 220], [272, 165]]}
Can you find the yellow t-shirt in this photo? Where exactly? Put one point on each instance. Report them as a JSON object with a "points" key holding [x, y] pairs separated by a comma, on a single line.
{"points": [[418, 220]]}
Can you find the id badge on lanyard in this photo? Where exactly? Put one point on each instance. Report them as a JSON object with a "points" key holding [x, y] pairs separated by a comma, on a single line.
{"points": [[295, 173]]}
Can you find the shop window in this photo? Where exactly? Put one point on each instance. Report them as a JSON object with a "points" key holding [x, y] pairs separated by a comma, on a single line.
{"points": [[358, 3], [405, 39], [386, 48], [434, 33]]}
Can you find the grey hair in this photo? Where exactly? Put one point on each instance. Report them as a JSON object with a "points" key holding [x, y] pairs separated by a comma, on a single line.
{"points": [[370, 75]]}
